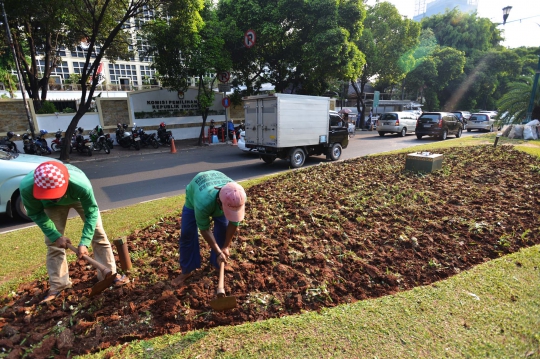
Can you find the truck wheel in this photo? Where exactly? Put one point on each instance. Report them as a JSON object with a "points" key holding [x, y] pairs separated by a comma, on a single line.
{"points": [[297, 158], [268, 159], [335, 152]]}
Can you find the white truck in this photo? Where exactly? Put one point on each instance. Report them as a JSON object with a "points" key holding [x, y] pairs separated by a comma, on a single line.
{"points": [[293, 127]]}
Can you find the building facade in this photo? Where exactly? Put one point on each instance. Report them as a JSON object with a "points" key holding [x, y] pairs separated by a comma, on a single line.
{"points": [[426, 8]]}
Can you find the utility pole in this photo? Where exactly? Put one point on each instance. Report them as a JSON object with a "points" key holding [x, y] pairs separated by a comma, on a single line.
{"points": [[23, 92]]}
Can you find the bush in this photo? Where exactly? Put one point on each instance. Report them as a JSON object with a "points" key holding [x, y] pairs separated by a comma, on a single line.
{"points": [[47, 107]]}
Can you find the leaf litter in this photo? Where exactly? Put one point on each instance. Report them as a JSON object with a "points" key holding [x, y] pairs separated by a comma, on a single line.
{"points": [[312, 239]]}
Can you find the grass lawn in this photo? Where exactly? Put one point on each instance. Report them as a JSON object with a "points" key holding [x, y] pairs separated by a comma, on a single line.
{"points": [[493, 310]]}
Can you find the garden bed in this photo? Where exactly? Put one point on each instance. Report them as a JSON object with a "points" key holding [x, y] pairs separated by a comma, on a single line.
{"points": [[313, 238]]}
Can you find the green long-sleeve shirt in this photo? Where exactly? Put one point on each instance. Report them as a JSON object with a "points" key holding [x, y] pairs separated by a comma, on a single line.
{"points": [[201, 196], [79, 190]]}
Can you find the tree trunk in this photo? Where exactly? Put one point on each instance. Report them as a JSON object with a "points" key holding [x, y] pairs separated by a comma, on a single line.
{"points": [[64, 152]]}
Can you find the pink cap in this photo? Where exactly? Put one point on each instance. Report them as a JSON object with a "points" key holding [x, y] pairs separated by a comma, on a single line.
{"points": [[50, 180], [233, 200]]}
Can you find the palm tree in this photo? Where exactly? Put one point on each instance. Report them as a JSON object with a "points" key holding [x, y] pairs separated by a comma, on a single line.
{"points": [[513, 105]]}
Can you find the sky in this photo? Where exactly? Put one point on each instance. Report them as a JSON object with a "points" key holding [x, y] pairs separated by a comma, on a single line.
{"points": [[524, 32]]}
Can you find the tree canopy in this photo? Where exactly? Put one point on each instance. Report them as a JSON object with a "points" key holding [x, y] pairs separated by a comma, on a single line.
{"points": [[300, 45]]}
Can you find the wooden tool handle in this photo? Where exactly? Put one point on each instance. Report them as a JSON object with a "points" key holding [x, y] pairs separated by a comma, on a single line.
{"points": [[93, 262], [221, 283]]}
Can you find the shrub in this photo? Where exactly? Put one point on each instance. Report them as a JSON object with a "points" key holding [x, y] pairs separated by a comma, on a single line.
{"points": [[47, 107]]}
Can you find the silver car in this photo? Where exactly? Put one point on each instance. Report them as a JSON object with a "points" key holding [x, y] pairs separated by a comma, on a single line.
{"points": [[13, 168], [396, 122], [481, 121]]}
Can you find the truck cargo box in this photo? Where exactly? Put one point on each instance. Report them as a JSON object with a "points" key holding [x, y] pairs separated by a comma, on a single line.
{"points": [[285, 120]]}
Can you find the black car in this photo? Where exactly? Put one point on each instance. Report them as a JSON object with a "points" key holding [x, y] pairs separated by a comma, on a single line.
{"points": [[463, 116], [440, 124]]}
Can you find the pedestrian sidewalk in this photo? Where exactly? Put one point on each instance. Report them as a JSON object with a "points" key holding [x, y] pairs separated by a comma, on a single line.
{"points": [[119, 151]]}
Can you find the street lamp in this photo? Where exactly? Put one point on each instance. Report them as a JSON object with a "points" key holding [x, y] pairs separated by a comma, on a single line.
{"points": [[10, 44], [506, 12]]}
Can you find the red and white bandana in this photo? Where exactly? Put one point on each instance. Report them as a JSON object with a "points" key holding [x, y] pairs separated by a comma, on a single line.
{"points": [[50, 180]]}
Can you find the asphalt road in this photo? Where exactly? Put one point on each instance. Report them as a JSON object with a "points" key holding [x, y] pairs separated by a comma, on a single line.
{"points": [[124, 178]]}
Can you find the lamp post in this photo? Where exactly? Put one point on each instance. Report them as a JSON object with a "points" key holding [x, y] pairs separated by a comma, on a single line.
{"points": [[506, 12], [10, 44]]}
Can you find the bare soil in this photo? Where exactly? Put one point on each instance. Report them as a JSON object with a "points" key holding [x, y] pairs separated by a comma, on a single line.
{"points": [[314, 238]]}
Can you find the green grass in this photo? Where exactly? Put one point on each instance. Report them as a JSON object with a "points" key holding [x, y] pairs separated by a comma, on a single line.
{"points": [[492, 310]]}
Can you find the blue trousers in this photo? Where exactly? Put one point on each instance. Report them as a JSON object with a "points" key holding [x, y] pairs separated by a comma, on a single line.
{"points": [[190, 254]]}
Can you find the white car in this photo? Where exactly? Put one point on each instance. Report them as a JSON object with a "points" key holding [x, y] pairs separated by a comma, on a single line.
{"points": [[13, 168], [481, 121], [396, 122], [242, 143]]}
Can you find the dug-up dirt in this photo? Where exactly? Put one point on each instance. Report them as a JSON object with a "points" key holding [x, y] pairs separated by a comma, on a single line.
{"points": [[313, 238]]}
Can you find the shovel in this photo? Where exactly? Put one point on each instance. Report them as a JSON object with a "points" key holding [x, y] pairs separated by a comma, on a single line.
{"points": [[222, 302], [108, 275]]}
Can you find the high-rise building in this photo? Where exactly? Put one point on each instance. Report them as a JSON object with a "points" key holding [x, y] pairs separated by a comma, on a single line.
{"points": [[425, 8]]}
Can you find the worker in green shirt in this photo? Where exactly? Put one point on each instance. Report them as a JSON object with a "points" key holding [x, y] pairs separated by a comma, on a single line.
{"points": [[209, 196], [48, 193]]}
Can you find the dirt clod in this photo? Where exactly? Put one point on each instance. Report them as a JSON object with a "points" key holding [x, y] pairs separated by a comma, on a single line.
{"points": [[313, 238]]}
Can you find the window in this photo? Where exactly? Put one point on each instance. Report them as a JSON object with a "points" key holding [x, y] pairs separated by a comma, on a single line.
{"points": [[61, 71], [124, 72]]}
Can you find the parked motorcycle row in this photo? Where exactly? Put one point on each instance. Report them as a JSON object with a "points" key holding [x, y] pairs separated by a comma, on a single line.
{"points": [[97, 140]]}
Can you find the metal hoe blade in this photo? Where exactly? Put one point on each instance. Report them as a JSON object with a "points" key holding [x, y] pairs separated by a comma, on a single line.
{"points": [[223, 303], [103, 284]]}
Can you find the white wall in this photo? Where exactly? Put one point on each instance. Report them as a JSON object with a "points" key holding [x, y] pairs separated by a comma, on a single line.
{"points": [[53, 123]]}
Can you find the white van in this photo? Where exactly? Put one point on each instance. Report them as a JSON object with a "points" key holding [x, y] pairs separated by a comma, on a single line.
{"points": [[396, 122]]}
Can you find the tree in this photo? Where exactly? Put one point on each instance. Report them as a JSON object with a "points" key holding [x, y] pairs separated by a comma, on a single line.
{"points": [[463, 31], [300, 45], [514, 104], [101, 24], [196, 51], [38, 29], [386, 37]]}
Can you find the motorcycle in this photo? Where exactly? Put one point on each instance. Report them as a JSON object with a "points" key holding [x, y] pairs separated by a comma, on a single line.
{"points": [[34, 146], [58, 142], [238, 129], [146, 138], [81, 144], [125, 138], [7, 143], [351, 129], [41, 141], [164, 137], [100, 141]]}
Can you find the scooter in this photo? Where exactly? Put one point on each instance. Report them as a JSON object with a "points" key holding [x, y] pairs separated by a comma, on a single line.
{"points": [[81, 144], [7, 144], [125, 138], [41, 142], [164, 137], [99, 140], [146, 138], [31, 147]]}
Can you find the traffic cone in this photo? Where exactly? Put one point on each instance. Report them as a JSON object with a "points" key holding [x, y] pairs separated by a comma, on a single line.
{"points": [[173, 146], [234, 142]]}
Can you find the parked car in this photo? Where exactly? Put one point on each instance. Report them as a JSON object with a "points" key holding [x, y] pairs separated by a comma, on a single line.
{"points": [[14, 167], [440, 124], [396, 122], [463, 116], [416, 113], [481, 121], [492, 114]]}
